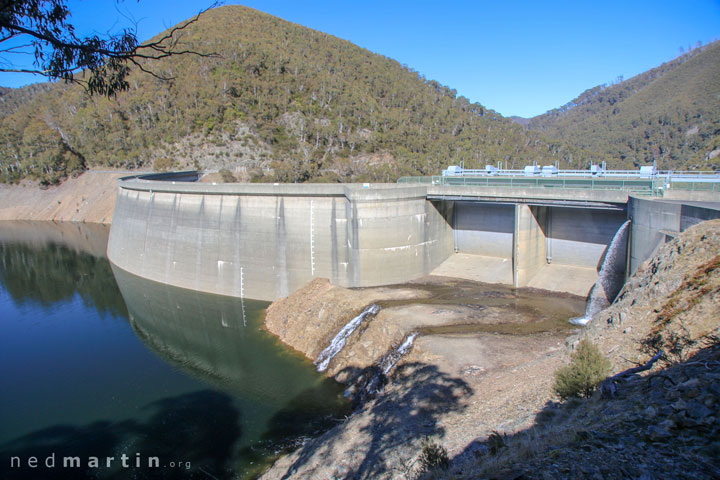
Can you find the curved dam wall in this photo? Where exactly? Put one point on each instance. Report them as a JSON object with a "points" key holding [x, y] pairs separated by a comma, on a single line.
{"points": [[265, 241]]}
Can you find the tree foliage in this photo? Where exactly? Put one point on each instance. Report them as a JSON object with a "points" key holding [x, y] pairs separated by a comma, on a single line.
{"points": [[44, 28], [588, 367], [285, 102]]}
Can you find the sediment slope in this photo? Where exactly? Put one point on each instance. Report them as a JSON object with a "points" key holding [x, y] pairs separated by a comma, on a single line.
{"points": [[89, 197], [308, 319], [458, 390], [460, 379]]}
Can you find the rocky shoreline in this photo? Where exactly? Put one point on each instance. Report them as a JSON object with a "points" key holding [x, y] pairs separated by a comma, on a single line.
{"points": [[462, 382]]}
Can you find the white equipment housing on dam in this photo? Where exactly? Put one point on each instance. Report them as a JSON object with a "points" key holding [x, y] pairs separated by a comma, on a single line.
{"points": [[264, 241]]}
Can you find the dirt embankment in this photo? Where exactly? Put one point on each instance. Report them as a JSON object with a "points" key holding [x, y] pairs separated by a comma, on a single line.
{"points": [[478, 344], [672, 301], [477, 369], [88, 198]]}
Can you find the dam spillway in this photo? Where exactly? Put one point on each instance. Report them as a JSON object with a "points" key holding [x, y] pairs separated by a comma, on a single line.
{"points": [[264, 241]]}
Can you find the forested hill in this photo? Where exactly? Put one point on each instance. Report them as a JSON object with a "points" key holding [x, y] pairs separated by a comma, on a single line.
{"points": [[670, 114], [13, 98], [280, 102]]}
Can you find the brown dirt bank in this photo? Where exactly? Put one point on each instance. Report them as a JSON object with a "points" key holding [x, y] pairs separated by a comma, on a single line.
{"points": [[433, 306], [461, 382], [88, 198], [462, 378]]}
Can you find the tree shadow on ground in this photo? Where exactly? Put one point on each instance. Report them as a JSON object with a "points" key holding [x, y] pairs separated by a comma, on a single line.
{"points": [[661, 425], [406, 411], [195, 432]]}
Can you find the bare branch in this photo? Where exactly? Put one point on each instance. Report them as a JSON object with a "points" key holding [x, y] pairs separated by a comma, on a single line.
{"points": [[178, 28], [16, 47], [21, 70], [150, 72], [9, 36], [609, 385]]}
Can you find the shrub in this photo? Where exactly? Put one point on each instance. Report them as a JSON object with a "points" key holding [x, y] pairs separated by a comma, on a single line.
{"points": [[497, 442], [433, 456], [227, 176], [163, 164], [588, 367]]}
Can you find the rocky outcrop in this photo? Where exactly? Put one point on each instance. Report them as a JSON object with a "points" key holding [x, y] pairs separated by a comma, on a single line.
{"points": [[670, 303]]}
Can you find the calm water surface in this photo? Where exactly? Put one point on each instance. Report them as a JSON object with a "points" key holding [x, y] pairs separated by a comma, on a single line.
{"points": [[99, 364]]}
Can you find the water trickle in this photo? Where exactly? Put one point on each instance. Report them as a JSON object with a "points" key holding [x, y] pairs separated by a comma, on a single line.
{"points": [[610, 278], [390, 361], [383, 368], [340, 339]]}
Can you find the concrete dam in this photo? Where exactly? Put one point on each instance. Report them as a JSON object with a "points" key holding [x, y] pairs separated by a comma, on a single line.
{"points": [[264, 241]]}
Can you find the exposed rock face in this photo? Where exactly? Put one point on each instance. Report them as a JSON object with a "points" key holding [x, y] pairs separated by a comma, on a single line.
{"points": [[672, 301]]}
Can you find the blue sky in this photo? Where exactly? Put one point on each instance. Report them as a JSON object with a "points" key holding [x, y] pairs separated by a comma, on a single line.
{"points": [[517, 57]]}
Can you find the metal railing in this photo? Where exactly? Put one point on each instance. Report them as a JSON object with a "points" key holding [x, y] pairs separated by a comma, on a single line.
{"points": [[695, 186], [642, 186]]}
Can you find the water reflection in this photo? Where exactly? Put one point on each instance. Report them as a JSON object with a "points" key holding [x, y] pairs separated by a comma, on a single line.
{"points": [[90, 238], [186, 378], [191, 435], [207, 337], [54, 273], [220, 341]]}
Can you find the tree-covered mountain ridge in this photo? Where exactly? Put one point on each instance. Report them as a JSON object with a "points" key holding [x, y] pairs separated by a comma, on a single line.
{"points": [[669, 115], [279, 102]]}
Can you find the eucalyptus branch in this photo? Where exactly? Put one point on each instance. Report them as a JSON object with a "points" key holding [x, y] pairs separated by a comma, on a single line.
{"points": [[60, 54]]}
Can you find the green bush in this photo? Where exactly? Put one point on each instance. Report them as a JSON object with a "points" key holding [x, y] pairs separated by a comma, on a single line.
{"points": [[433, 457], [588, 367]]}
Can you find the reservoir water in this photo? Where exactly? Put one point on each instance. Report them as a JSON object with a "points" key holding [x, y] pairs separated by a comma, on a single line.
{"points": [[168, 383]]}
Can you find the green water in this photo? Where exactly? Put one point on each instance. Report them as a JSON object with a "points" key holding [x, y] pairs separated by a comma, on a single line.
{"points": [[97, 364]]}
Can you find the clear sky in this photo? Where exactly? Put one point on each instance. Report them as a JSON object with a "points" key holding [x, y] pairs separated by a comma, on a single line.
{"points": [[517, 57]]}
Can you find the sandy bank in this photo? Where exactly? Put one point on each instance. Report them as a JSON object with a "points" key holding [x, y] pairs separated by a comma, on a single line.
{"points": [[88, 198]]}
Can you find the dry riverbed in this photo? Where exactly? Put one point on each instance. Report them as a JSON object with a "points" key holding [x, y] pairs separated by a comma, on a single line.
{"points": [[480, 363]]}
